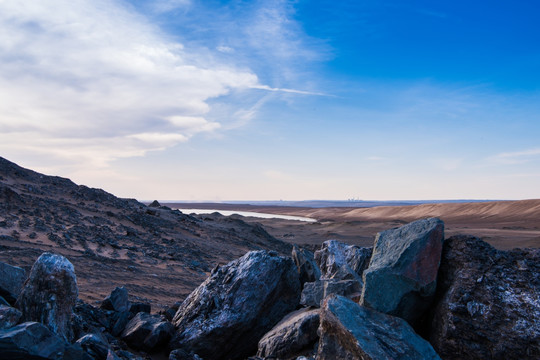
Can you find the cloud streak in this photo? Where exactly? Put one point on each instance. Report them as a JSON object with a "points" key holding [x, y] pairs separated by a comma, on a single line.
{"points": [[517, 157]]}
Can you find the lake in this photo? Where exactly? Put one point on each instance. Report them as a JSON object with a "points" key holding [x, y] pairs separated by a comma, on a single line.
{"points": [[247, 213]]}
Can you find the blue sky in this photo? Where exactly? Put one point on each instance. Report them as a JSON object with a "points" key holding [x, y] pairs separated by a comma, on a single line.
{"points": [[267, 100]]}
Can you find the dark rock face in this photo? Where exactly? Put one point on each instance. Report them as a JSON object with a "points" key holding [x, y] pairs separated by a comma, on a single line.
{"points": [[9, 317], [341, 261], [95, 346], [225, 317], [350, 331], [314, 292], [402, 275], [305, 262], [11, 282], [117, 300], [295, 335], [50, 293], [489, 302], [147, 332], [34, 341]]}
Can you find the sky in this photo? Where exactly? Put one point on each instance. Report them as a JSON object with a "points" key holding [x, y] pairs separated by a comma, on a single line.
{"points": [[270, 99]]}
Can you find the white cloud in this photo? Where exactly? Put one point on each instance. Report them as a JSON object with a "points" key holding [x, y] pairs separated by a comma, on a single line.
{"points": [[162, 6], [516, 157], [92, 81]]}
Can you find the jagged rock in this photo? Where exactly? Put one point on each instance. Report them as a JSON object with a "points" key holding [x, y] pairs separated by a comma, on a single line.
{"points": [[11, 282], [292, 336], [120, 321], [112, 356], [50, 293], [4, 302], [314, 292], [155, 204], [170, 312], [350, 331], [117, 300], [489, 302], [402, 275], [305, 262], [147, 332], [34, 341], [9, 317], [180, 354], [341, 261], [94, 345], [225, 317], [140, 307]]}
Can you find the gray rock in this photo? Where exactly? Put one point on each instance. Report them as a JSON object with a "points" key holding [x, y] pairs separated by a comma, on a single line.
{"points": [[117, 300], [11, 282], [341, 261], [314, 292], [180, 354], [94, 345], [308, 270], [350, 331], [225, 317], [34, 341], [50, 293], [488, 303], [147, 332], [9, 317], [292, 336], [402, 275], [120, 320]]}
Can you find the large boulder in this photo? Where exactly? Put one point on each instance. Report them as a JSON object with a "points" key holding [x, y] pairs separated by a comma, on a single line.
{"points": [[9, 317], [147, 332], [305, 262], [11, 282], [350, 331], [50, 293], [314, 292], [293, 336], [488, 302], [117, 300], [225, 317], [34, 341], [402, 275], [341, 261]]}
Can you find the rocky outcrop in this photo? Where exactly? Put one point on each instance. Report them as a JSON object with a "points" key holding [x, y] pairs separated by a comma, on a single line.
{"points": [[295, 335], [351, 331], [9, 317], [11, 282], [117, 300], [50, 293], [341, 261], [34, 341], [147, 332], [225, 317], [308, 270], [489, 302], [402, 275], [96, 346], [314, 292]]}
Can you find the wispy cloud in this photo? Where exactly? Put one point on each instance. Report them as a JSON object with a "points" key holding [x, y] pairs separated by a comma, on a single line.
{"points": [[517, 157]]}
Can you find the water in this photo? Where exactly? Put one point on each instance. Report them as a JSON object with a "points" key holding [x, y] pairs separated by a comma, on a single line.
{"points": [[247, 213]]}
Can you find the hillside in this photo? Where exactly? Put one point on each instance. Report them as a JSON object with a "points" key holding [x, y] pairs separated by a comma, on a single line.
{"points": [[159, 254]]}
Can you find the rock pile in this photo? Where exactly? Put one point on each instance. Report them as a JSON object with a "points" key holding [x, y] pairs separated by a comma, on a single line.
{"points": [[413, 296]]}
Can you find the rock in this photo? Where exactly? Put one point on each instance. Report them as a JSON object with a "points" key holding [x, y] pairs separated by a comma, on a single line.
{"points": [[11, 282], [170, 312], [292, 336], [120, 321], [154, 204], [50, 293], [180, 354], [314, 292], [488, 302], [34, 341], [341, 261], [140, 307], [147, 332], [308, 270], [117, 300], [95, 346], [351, 331], [225, 317], [402, 275], [112, 356], [9, 317]]}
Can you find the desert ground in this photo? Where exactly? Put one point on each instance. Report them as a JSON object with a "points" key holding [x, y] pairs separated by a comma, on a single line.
{"points": [[503, 224]]}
